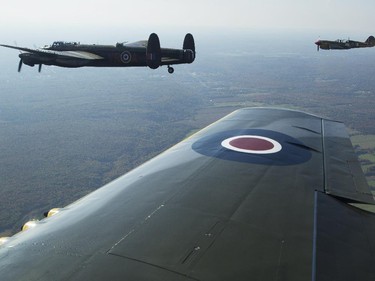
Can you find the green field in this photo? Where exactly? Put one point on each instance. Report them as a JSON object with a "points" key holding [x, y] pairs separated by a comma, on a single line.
{"points": [[365, 148]]}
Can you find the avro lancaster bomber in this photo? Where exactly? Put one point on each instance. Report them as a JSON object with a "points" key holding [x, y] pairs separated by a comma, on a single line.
{"points": [[140, 53]]}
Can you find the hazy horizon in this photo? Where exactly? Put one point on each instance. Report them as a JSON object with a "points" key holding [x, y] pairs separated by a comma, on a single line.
{"points": [[41, 21], [319, 14]]}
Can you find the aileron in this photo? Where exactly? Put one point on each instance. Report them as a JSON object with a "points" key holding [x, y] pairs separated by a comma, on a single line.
{"points": [[343, 173]]}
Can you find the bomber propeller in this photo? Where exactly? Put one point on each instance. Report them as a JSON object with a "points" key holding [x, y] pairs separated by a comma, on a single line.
{"points": [[317, 43], [20, 65]]}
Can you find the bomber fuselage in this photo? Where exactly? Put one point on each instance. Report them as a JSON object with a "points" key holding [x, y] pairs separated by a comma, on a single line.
{"points": [[103, 56]]}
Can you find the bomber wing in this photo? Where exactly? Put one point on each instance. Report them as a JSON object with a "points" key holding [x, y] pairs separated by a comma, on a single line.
{"points": [[19, 48], [63, 54], [138, 44], [262, 194]]}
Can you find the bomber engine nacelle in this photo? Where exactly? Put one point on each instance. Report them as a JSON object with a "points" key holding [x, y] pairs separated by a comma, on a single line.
{"points": [[153, 52]]}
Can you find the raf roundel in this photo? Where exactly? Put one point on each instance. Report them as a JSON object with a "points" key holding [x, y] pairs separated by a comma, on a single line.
{"points": [[256, 146], [126, 57], [252, 144]]}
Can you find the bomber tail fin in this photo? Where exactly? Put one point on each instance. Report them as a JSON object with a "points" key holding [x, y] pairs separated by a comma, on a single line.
{"points": [[370, 41], [153, 51], [189, 43], [189, 48]]}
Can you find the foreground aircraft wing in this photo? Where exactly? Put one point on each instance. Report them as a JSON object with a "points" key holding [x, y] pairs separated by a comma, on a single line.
{"points": [[262, 194], [64, 54]]}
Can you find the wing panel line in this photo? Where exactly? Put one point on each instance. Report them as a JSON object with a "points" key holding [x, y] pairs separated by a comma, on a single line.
{"points": [[313, 273], [154, 265], [324, 160]]}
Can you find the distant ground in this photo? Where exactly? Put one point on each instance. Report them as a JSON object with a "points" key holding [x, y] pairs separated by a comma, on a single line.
{"points": [[66, 132]]}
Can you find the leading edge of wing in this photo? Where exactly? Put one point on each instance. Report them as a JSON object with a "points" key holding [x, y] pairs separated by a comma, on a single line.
{"points": [[234, 201], [18, 48], [67, 54]]}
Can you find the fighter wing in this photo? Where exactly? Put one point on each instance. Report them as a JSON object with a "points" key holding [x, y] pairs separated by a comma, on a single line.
{"points": [[260, 195], [63, 54]]}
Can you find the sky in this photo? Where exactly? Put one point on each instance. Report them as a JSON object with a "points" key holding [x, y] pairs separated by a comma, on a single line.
{"points": [[100, 18]]}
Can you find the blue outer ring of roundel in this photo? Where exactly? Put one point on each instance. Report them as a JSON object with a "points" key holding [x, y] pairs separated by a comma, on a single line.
{"points": [[293, 151], [126, 57]]}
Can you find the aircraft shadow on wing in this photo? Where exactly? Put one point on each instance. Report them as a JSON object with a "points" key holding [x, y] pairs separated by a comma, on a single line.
{"points": [[340, 44], [140, 53], [263, 194]]}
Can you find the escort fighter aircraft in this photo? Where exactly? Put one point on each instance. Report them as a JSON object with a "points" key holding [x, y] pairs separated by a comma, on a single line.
{"points": [[344, 44], [141, 53], [262, 194]]}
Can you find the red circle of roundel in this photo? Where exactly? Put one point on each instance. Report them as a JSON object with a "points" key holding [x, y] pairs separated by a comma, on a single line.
{"points": [[252, 144]]}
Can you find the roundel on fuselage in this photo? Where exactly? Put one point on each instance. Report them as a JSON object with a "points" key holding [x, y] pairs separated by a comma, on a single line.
{"points": [[126, 57]]}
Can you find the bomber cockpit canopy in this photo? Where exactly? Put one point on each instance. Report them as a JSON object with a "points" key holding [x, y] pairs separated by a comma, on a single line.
{"points": [[64, 44]]}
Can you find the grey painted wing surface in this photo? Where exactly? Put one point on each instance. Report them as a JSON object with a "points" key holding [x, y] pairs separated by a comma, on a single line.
{"points": [[255, 196]]}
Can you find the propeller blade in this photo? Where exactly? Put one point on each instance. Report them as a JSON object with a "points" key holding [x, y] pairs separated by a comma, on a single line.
{"points": [[20, 65], [318, 44], [40, 68]]}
